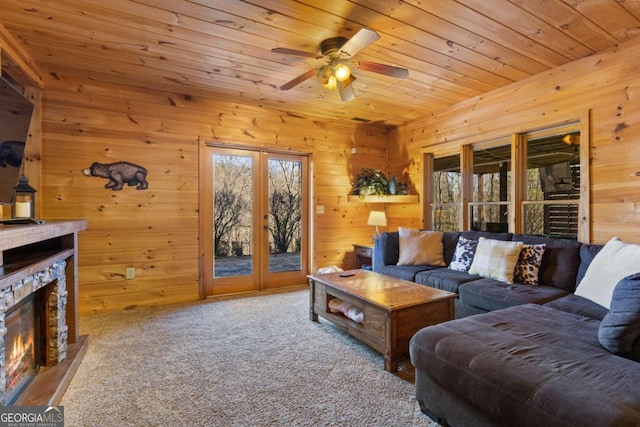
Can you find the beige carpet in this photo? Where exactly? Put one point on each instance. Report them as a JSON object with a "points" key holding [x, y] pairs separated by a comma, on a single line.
{"points": [[255, 361]]}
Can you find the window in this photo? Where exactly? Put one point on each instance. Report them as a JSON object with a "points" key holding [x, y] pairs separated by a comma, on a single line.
{"points": [[446, 193], [491, 195], [534, 183], [551, 196]]}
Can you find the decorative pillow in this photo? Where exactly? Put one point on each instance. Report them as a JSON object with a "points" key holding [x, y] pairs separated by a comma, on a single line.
{"points": [[420, 247], [528, 265], [463, 255], [496, 259], [619, 331], [614, 261]]}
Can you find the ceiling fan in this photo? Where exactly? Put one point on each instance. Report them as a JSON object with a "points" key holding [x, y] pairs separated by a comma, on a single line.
{"points": [[338, 53]]}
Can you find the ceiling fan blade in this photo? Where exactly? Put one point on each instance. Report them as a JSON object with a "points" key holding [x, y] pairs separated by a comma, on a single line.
{"points": [[286, 51], [299, 79], [346, 91], [359, 41], [387, 70]]}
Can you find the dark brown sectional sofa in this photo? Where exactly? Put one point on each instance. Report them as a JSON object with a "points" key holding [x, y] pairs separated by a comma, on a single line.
{"points": [[521, 355]]}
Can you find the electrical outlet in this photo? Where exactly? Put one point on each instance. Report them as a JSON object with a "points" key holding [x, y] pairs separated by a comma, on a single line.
{"points": [[130, 273]]}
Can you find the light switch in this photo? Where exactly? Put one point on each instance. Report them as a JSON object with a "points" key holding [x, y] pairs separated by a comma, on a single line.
{"points": [[319, 209]]}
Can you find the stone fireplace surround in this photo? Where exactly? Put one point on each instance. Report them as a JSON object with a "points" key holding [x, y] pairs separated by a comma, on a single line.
{"points": [[56, 332], [33, 257]]}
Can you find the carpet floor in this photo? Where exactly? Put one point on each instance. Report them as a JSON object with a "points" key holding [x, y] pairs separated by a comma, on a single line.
{"points": [[254, 361]]}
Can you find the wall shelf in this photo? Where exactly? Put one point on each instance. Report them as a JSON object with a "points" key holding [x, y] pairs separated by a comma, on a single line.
{"points": [[388, 198]]}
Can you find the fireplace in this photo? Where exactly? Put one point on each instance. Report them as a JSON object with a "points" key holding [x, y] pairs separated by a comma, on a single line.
{"points": [[35, 332], [39, 281], [22, 354]]}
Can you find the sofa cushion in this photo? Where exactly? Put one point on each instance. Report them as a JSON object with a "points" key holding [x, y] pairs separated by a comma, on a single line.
{"points": [[491, 294], [577, 305], [420, 247], [405, 272], [449, 242], [615, 261], [387, 249], [528, 265], [444, 278], [463, 255], [587, 253], [560, 260], [495, 259], [530, 365], [620, 329]]}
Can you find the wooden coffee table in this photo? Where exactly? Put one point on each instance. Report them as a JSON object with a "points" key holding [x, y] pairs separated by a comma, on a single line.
{"points": [[393, 309]]}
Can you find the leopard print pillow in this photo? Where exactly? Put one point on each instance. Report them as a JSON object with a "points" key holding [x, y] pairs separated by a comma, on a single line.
{"points": [[463, 255], [528, 265]]}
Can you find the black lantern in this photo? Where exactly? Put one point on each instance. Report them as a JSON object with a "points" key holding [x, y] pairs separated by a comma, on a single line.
{"points": [[24, 203]]}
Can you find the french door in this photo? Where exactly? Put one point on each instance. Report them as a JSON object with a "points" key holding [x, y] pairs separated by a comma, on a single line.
{"points": [[254, 220]]}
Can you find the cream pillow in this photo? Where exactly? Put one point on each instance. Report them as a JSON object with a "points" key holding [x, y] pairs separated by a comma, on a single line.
{"points": [[420, 247], [614, 261], [495, 259]]}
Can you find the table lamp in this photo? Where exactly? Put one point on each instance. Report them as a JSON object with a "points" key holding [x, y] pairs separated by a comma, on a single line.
{"points": [[377, 218]]}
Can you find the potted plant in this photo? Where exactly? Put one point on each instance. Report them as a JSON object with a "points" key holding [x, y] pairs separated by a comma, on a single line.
{"points": [[371, 182]]}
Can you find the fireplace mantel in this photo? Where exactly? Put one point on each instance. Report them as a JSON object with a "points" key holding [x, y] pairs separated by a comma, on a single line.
{"points": [[26, 253]]}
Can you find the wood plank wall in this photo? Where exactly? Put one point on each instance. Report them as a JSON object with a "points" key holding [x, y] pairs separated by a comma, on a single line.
{"points": [[156, 230], [607, 84]]}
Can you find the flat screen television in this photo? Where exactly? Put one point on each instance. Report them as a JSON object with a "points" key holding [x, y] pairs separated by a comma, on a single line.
{"points": [[15, 117]]}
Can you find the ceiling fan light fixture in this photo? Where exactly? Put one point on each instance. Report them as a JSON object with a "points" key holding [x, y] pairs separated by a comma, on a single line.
{"points": [[339, 53], [331, 83], [323, 74], [342, 72]]}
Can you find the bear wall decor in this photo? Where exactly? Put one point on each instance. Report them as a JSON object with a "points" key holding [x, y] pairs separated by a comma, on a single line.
{"points": [[119, 173]]}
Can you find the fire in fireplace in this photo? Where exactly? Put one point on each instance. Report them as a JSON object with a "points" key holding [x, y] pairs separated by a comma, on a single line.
{"points": [[21, 352]]}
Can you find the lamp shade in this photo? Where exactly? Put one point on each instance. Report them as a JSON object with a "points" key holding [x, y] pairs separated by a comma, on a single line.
{"points": [[377, 218]]}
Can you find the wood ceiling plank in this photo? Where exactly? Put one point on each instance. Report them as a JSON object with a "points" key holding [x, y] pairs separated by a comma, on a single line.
{"points": [[569, 20], [490, 29], [451, 40], [530, 26], [610, 15]]}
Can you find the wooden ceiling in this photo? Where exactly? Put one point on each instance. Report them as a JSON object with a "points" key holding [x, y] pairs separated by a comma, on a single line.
{"points": [[454, 49]]}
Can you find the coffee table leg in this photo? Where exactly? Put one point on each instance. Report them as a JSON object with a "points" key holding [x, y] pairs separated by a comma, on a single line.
{"points": [[390, 364], [312, 315]]}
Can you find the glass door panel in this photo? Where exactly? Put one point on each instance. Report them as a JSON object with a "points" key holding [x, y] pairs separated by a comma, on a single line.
{"points": [[285, 215], [285, 227], [233, 215]]}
